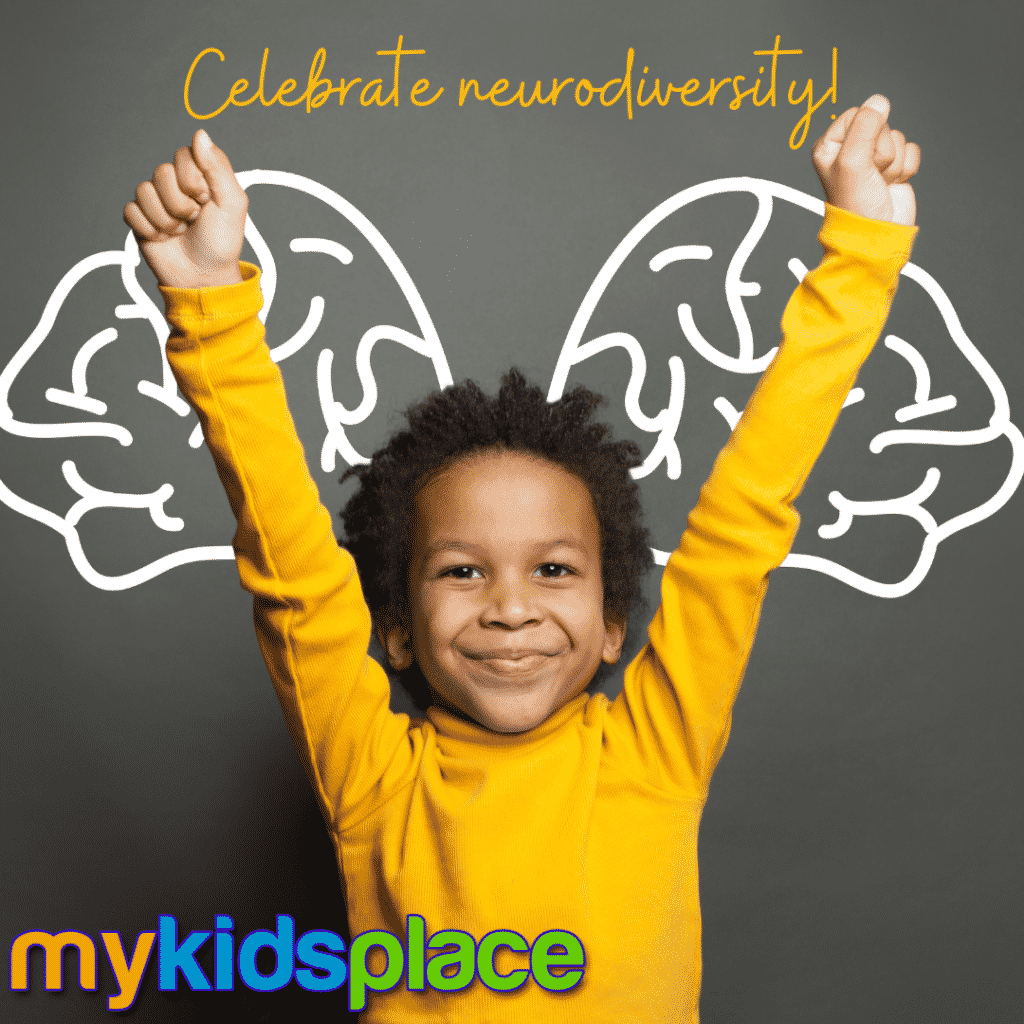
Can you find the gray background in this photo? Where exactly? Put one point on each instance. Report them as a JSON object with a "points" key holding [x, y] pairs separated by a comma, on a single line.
{"points": [[860, 850]]}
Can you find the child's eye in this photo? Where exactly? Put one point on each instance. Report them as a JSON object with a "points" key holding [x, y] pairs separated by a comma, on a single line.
{"points": [[463, 572], [554, 571]]}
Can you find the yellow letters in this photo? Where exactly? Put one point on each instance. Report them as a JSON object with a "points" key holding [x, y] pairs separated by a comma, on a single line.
{"points": [[313, 97], [375, 98], [53, 949], [398, 53], [710, 94], [503, 94], [343, 89], [808, 93], [590, 92], [188, 82], [317, 89], [556, 88], [422, 86], [626, 87], [736, 103], [774, 53], [496, 90], [128, 975]]}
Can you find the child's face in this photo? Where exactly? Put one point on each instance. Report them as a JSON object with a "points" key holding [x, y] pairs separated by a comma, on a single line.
{"points": [[505, 612]]}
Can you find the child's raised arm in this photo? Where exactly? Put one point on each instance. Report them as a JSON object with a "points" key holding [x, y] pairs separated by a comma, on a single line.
{"points": [[676, 704], [312, 623]]}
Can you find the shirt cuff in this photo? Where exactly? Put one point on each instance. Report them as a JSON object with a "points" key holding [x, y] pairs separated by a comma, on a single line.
{"points": [[876, 242], [204, 312]]}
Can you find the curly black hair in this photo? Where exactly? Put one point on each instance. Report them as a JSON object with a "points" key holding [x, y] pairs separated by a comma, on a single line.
{"points": [[461, 420]]}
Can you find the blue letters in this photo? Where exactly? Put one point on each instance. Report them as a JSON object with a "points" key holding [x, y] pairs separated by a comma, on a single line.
{"points": [[311, 950], [224, 954], [174, 958], [283, 945]]}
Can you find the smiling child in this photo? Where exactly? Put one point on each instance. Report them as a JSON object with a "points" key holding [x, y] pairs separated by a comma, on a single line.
{"points": [[501, 550]]}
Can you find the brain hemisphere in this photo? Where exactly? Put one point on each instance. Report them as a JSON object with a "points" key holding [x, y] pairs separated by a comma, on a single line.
{"points": [[725, 256], [127, 453]]}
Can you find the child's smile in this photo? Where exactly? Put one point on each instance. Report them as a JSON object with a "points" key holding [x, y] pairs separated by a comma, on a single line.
{"points": [[505, 615]]}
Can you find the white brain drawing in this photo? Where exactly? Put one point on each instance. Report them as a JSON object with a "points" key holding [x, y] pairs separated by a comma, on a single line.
{"points": [[691, 298], [720, 339], [73, 408]]}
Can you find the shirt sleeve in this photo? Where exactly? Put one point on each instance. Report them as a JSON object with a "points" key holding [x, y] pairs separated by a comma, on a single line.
{"points": [[674, 712], [312, 622]]}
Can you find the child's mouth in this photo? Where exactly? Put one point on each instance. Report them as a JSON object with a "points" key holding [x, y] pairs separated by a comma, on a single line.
{"points": [[510, 662]]}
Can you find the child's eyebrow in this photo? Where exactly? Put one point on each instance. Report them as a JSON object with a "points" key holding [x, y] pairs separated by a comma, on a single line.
{"points": [[440, 546], [447, 545], [563, 542]]}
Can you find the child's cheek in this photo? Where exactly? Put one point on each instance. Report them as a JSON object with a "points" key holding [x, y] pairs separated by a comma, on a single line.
{"points": [[440, 616], [581, 613]]}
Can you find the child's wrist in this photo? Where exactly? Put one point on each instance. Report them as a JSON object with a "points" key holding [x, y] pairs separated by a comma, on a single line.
{"points": [[219, 279]]}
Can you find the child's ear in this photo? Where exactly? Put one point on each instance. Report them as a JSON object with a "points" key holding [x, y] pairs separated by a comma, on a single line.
{"points": [[614, 635], [394, 637]]}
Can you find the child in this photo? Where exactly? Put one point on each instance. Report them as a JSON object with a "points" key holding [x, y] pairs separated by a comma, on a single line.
{"points": [[502, 548]]}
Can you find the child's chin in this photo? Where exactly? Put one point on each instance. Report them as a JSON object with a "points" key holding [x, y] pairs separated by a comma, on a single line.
{"points": [[514, 716], [506, 709], [511, 727]]}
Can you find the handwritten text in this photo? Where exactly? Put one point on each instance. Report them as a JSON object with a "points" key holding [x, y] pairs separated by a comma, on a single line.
{"points": [[630, 92]]}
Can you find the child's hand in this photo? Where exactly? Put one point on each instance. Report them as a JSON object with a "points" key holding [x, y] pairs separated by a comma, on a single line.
{"points": [[864, 164], [190, 219]]}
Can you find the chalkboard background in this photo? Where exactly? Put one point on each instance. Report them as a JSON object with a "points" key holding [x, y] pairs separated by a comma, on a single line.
{"points": [[860, 849]]}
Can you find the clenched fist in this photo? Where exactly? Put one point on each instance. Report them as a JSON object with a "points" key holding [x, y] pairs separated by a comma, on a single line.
{"points": [[864, 165], [189, 218]]}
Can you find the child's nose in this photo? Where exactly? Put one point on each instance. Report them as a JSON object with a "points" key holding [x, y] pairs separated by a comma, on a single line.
{"points": [[509, 605]]}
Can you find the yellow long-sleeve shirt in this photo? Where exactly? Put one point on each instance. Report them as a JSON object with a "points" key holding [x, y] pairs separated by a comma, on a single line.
{"points": [[589, 822]]}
